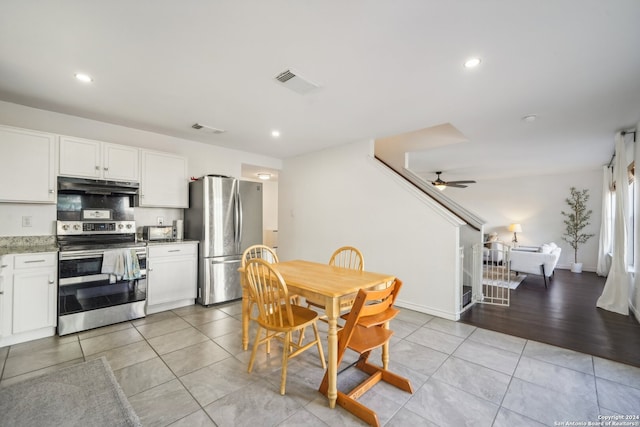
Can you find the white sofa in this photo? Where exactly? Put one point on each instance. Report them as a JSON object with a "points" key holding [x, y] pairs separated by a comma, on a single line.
{"points": [[543, 262]]}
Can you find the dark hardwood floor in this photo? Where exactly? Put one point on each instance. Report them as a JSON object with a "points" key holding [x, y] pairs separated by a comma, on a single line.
{"points": [[564, 315]]}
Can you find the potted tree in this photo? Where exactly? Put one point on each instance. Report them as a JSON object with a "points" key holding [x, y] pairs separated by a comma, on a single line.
{"points": [[576, 219]]}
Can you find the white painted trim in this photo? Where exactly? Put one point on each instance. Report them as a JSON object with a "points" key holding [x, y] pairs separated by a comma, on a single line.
{"points": [[427, 310], [151, 309]]}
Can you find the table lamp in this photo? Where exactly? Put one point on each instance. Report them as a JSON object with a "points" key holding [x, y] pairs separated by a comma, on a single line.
{"points": [[516, 228]]}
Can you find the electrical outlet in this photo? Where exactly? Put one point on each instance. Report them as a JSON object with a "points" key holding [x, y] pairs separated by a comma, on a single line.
{"points": [[26, 221], [160, 220]]}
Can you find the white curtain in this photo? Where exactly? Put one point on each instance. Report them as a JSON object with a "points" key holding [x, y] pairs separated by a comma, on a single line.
{"points": [[615, 296], [604, 248]]}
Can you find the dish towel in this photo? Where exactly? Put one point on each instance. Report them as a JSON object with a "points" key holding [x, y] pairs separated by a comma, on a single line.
{"points": [[131, 265], [113, 262]]}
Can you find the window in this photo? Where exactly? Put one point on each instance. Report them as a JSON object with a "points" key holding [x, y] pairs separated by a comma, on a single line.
{"points": [[631, 214]]}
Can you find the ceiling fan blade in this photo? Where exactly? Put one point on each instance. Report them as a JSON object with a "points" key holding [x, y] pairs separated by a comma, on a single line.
{"points": [[453, 185], [461, 182]]}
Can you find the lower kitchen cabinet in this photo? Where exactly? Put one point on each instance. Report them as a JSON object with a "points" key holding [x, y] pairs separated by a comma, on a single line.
{"points": [[28, 303], [171, 275], [6, 283]]}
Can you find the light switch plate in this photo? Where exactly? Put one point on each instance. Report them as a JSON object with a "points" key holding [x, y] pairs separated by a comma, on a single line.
{"points": [[160, 220]]}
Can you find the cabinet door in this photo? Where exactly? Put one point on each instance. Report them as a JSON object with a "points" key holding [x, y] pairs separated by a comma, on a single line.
{"points": [[163, 180], [120, 162], [5, 295], [34, 299], [171, 279], [80, 157], [27, 166]]}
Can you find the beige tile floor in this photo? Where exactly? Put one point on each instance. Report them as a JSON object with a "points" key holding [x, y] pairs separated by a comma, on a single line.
{"points": [[186, 367]]}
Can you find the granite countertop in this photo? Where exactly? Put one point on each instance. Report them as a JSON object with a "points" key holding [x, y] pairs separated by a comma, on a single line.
{"points": [[27, 244], [34, 244]]}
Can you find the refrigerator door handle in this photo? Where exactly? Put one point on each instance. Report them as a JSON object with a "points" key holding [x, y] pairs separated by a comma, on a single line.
{"points": [[235, 219], [240, 222], [234, 261]]}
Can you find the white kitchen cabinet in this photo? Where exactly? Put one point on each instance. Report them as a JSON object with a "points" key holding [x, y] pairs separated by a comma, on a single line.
{"points": [[6, 281], [27, 166], [171, 276], [86, 158], [28, 303], [164, 180]]}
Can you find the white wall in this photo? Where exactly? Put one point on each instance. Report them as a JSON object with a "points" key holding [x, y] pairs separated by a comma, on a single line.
{"points": [[340, 196], [202, 159], [536, 203]]}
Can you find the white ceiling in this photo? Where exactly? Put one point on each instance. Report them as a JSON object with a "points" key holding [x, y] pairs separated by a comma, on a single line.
{"points": [[385, 68]]}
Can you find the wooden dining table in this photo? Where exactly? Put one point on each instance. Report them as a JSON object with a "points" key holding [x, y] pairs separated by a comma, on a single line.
{"points": [[321, 282]]}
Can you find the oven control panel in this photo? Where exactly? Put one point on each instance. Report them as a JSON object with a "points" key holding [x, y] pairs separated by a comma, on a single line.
{"points": [[95, 227]]}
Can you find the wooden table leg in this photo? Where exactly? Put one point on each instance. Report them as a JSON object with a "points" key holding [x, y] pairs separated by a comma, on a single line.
{"points": [[385, 351], [333, 311]]}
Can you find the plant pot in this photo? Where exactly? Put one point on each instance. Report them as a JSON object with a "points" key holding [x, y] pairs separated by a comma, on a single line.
{"points": [[576, 267]]}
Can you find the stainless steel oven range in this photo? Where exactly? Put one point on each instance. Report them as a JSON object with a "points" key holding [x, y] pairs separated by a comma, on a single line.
{"points": [[102, 268]]}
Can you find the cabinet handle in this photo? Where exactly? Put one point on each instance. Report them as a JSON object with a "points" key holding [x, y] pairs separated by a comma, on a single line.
{"points": [[97, 167], [173, 250], [106, 169], [4, 265], [50, 191], [34, 260], [51, 282], [1, 292]]}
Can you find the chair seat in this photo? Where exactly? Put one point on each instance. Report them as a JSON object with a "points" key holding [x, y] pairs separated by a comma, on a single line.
{"points": [[302, 317], [365, 339]]}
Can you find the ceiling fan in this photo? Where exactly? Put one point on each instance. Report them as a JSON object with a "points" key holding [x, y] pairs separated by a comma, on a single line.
{"points": [[441, 185]]}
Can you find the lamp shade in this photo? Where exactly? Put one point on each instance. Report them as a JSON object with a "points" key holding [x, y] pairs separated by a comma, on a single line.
{"points": [[516, 228]]}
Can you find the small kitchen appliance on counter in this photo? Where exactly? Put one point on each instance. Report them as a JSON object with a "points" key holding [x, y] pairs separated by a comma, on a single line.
{"points": [[157, 232]]}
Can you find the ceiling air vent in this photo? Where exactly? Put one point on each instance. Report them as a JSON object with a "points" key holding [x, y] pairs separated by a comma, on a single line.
{"points": [[295, 82], [207, 129]]}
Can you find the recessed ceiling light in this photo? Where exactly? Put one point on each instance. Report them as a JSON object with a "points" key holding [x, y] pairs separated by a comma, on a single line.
{"points": [[275, 133], [529, 118], [472, 62], [264, 176], [85, 78]]}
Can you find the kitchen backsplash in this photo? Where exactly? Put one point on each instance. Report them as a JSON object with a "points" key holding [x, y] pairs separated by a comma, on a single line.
{"points": [[149, 216]]}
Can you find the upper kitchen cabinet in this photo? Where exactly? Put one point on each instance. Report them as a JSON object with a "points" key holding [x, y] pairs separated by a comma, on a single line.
{"points": [[99, 160], [27, 166], [163, 180]]}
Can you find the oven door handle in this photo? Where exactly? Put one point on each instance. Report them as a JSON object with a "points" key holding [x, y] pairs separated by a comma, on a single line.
{"points": [[80, 255], [92, 254]]}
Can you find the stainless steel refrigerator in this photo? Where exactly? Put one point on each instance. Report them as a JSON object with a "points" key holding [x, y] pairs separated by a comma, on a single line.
{"points": [[225, 215]]}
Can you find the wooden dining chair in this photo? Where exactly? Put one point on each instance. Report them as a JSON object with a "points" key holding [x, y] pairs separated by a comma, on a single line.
{"points": [[345, 257], [277, 316], [266, 253], [365, 330]]}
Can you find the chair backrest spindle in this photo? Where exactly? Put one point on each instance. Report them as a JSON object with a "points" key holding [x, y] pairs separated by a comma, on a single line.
{"points": [[348, 257]]}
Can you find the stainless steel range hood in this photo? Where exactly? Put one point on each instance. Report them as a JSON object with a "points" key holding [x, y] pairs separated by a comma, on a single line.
{"points": [[67, 185]]}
